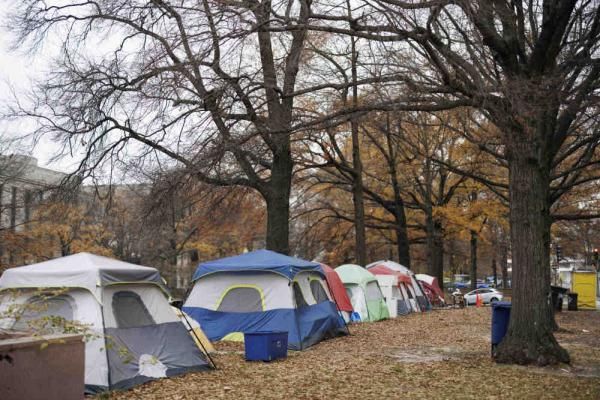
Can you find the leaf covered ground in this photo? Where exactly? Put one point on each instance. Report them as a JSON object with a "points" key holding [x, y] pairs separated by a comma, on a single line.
{"points": [[437, 355]]}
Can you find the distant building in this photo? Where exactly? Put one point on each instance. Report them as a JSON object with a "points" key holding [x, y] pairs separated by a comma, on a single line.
{"points": [[23, 184]]}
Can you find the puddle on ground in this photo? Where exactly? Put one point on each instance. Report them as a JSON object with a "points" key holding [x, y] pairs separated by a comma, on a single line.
{"points": [[440, 354], [429, 354]]}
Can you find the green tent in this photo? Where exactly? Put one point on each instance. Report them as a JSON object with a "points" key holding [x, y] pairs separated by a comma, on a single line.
{"points": [[364, 292]]}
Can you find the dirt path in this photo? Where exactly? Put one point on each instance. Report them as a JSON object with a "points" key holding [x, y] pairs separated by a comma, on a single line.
{"points": [[437, 355]]}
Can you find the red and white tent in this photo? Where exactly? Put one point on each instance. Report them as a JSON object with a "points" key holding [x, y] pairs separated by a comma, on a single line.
{"points": [[430, 283], [338, 291], [422, 300]]}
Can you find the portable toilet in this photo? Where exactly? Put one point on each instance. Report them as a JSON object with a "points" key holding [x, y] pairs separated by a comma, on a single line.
{"points": [[584, 284]]}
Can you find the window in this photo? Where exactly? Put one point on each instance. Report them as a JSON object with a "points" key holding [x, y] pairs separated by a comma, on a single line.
{"points": [[13, 208], [39, 307], [241, 299], [318, 291], [27, 203], [298, 296], [1, 203], [373, 291], [130, 311]]}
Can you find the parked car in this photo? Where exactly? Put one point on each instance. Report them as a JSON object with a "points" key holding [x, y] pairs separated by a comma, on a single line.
{"points": [[488, 295], [466, 285]]}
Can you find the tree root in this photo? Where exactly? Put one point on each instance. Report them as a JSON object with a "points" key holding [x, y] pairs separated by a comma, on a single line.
{"points": [[539, 351]]}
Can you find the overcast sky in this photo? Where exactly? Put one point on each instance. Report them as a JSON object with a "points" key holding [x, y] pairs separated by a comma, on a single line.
{"points": [[17, 70]]}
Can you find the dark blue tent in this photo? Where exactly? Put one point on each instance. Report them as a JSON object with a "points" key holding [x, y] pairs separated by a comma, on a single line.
{"points": [[259, 260]]}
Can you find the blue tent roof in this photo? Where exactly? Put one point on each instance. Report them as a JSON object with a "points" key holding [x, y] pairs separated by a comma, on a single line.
{"points": [[259, 260]]}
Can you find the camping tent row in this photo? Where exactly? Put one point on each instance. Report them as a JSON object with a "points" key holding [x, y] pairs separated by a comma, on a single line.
{"points": [[385, 289], [135, 336]]}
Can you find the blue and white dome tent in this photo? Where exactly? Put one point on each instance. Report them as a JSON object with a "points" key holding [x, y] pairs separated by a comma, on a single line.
{"points": [[264, 291]]}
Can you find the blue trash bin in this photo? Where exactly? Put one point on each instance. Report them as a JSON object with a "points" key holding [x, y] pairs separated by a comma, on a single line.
{"points": [[500, 319], [265, 346]]}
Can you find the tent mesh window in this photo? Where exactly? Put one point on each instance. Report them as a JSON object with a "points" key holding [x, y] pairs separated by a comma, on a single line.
{"points": [[318, 291], [373, 291], [241, 299], [130, 311], [38, 307], [348, 292], [298, 296], [402, 308]]}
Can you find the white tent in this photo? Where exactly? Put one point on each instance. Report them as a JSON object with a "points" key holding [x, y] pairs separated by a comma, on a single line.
{"points": [[398, 290], [416, 287], [390, 291], [135, 335]]}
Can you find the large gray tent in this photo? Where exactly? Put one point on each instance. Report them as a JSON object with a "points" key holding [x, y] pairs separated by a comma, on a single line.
{"points": [[137, 336]]}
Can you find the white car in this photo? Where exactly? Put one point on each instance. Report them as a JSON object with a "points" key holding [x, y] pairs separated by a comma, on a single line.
{"points": [[488, 295]]}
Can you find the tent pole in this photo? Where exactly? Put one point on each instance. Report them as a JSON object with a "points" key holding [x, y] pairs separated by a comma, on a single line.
{"points": [[108, 386], [423, 293], [199, 341]]}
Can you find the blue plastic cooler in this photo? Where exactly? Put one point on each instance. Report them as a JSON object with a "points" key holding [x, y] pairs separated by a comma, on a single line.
{"points": [[265, 346]]}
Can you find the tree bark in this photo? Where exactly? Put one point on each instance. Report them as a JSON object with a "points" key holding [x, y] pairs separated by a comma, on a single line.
{"points": [[278, 201], [435, 248], [402, 235], [402, 242], [529, 338], [357, 187], [495, 271], [473, 260], [438, 252]]}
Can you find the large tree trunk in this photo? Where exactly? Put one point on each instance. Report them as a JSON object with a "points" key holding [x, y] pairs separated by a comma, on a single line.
{"points": [[473, 260], [495, 271], [402, 243], [438, 252], [435, 248], [278, 202], [359, 212], [529, 338], [357, 186]]}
